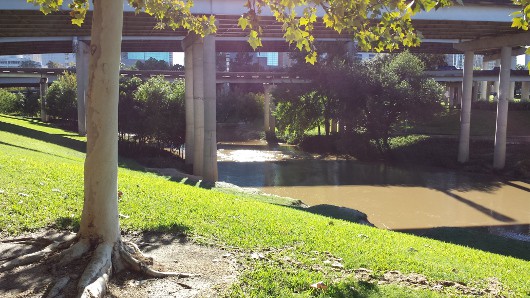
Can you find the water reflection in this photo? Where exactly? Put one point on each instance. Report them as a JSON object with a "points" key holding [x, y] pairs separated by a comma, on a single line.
{"points": [[393, 197]]}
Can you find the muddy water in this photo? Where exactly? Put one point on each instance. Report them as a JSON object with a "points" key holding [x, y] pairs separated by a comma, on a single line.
{"points": [[398, 198]]}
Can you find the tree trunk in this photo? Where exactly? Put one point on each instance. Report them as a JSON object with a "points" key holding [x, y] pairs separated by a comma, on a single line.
{"points": [[99, 221]]}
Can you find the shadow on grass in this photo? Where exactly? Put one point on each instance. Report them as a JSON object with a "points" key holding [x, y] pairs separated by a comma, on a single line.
{"points": [[354, 289], [57, 139], [478, 238], [337, 212], [34, 150]]}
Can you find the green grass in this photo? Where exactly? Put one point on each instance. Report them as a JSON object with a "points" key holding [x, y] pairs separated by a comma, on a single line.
{"points": [[41, 182], [483, 123]]}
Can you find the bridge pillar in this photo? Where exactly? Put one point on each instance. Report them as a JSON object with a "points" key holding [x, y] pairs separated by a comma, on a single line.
{"points": [[269, 121], [496, 83], [476, 86], [450, 93], [43, 88], [82, 56], [198, 105], [210, 121], [465, 111], [334, 126], [456, 96], [484, 94], [499, 154], [525, 88], [188, 100]]}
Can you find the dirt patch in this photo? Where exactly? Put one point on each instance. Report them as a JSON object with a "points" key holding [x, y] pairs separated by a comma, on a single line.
{"points": [[218, 270]]}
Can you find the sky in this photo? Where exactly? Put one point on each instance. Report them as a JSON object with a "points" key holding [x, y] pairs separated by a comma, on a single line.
{"points": [[178, 58]]}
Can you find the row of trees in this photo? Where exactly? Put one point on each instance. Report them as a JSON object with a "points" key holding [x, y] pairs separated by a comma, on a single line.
{"points": [[150, 112], [368, 98], [19, 101]]}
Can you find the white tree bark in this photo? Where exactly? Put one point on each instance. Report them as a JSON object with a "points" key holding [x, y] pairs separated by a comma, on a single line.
{"points": [[99, 221], [82, 59]]}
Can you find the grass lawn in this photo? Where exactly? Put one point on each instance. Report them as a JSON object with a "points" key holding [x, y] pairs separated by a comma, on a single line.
{"points": [[41, 186], [483, 123]]}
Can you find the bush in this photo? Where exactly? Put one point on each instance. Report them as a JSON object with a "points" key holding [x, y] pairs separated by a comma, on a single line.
{"points": [[129, 109], [30, 104], [10, 103], [234, 107], [492, 106], [161, 106], [61, 98]]}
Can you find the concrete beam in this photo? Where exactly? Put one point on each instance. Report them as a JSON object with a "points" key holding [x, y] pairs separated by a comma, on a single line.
{"points": [[515, 52], [511, 40]]}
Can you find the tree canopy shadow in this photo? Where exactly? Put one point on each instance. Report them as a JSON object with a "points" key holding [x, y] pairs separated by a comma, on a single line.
{"points": [[58, 139], [478, 238]]}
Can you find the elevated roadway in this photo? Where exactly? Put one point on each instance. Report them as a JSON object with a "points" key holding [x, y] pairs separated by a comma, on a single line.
{"points": [[25, 30], [30, 77]]}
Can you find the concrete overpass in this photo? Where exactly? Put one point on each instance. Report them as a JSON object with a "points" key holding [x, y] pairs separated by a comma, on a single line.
{"points": [[478, 27], [30, 77]]}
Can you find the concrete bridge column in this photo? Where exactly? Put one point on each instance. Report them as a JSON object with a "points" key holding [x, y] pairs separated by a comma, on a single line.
{"points": [[334, 124], [43, 89], [484, 90], [198, 105], [499, 155], [496, 83], [525, 88], [273, 119], [269, 120], [458, 95], [476, 86], [210, 120], [266, 107], [450, 95], [465, 111], [82, 59], [484, 85], [187, 44]]}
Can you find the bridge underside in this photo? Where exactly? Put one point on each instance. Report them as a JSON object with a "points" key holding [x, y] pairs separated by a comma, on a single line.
{"points": [[29, 31]]}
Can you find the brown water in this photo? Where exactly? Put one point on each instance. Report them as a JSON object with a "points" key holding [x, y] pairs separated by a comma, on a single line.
{"points": [[393, 197]]}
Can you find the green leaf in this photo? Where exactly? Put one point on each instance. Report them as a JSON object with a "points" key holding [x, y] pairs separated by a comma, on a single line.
{"points": [[243, 23]]}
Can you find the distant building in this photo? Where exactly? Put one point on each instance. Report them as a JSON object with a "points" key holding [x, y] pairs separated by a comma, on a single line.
{"points": [[17, 60], [266, 60], [62, 60], [130, 58], [457, 60]]}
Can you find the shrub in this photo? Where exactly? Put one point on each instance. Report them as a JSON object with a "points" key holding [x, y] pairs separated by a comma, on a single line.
{"points": [[161, 105], [10, 103], [61, 98], [233, 107]]}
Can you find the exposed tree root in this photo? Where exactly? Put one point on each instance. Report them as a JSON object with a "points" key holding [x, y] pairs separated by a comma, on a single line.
{"points": [[36, 256], [106, 259]]}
